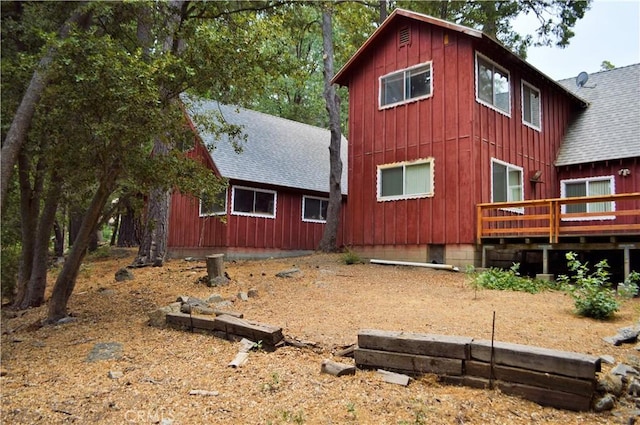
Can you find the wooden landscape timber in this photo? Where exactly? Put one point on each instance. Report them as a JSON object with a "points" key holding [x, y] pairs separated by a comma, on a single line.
{"points": [[560, 379], [565, 363], [337, 369], [229, 327]]}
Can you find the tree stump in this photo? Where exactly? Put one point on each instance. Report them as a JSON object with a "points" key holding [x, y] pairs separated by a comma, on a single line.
{"points": [[215, 268]]}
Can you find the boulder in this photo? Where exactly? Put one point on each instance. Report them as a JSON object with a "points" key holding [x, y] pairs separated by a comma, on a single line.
{"points": [[124, 274]]}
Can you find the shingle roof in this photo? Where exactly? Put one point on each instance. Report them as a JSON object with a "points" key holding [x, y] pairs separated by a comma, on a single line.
{"points": [[277, 151], [609, 128]]}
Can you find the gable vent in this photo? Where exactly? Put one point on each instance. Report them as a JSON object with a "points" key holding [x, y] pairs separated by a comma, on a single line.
{"points": [[404, 36]]}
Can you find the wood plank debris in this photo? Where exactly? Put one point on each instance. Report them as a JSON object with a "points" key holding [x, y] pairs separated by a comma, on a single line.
{"points": [[394, 378], [337, 369], [204, 392], [240, 359]]}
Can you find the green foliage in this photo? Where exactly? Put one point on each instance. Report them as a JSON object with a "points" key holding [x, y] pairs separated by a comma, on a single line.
{"points": [[297, 418], [508, 280], [273, 385], [629, 288], [591, 291], [351, 257]]}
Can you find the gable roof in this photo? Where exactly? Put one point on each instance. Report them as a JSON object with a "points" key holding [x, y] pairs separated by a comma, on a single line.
{"points": [[610, 127], [277, 151], [341, 77]]}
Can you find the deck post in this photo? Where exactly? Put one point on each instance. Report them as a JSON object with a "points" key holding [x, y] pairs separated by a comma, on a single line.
{"points": [[545, 263], [627, 260], [484, 255]]}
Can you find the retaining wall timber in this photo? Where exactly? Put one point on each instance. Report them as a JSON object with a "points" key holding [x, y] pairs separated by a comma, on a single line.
{"points": [[560, 379]]}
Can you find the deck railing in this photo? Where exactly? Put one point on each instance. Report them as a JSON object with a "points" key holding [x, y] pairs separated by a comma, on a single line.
{"points": [[610, 214]]}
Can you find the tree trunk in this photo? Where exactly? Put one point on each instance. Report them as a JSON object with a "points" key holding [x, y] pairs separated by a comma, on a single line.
{"points": [[22, 119], [29, 211], [114, 233], [58, 244], [330, 234], [38, 280], [382, 7], [129, 231], [67, 278], [153, 247]]}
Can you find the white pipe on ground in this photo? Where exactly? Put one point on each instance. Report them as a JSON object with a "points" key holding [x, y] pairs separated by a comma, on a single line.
{"points": [[411, 263]]}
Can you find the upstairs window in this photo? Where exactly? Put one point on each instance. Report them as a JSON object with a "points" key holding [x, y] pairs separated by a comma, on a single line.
{"points": [[531, 109], [492, 85], [216, 205], [314, 209], [254, 202], [407, 85], [506, 183], [594, 186], [405, 180]]}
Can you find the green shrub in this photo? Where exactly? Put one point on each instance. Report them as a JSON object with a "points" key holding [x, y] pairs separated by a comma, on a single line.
{"points": [[509, 280], [629, 288], [350, 257], [591, 291]]}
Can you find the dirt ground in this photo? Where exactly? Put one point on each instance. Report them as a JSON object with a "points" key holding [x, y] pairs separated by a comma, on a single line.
{"points": [[48, 379]]}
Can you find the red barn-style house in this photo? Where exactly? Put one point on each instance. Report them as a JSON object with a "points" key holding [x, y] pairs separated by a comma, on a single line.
{"points": [[460, 150], [278, 187]]}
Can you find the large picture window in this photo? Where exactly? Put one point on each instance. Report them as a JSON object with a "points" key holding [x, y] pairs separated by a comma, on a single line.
{"points": [[492, 85], [531, 110], [593, 186], [254, 202], [314, 209], [506, 182], [405, 180], [408, 84], [213, 205]]}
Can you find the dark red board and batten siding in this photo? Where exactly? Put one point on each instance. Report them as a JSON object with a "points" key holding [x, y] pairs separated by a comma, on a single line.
{"points": [[286, 231], [461, 135]]}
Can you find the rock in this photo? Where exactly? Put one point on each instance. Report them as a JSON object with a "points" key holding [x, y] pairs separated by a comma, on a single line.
{"points": [[105, 351], [605, 403], [633, 361], [634, 387], [196, 309], [214, 298], [115, 374], [66, 320], [607, 359], [158, 318], [124, 274], [612, 384], [252, 293], [219, 281], [627, 334], [182, 298], [288, 273], [224, 304], [242, 296], [623, 370]]}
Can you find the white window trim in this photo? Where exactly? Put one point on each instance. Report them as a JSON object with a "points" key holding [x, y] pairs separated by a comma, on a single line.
{"points": [[563, 194], [508, 165], [309, 220], [200, 214], [404, 164], [506, 71], [246, 214], [523, 83], [413, 99]]}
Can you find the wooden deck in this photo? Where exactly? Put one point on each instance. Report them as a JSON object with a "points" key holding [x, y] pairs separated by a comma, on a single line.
{"points": [[548, 219]]}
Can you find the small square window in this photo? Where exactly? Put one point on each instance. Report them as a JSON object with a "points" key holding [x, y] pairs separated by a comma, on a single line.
{"points": [[216, 205], [314, 209]]}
